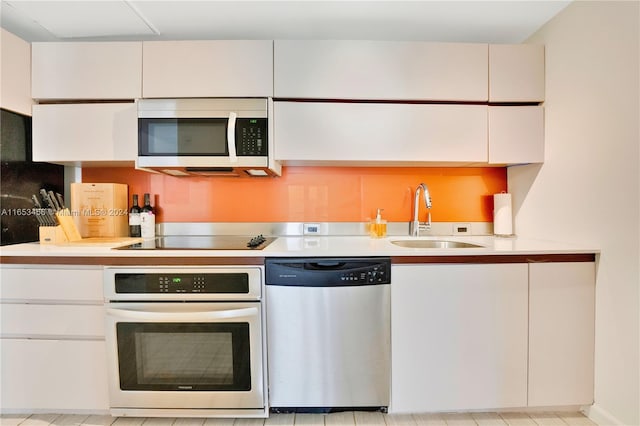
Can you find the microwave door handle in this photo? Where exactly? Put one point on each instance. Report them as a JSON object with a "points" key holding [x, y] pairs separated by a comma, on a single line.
{"points": [[231, 137], [126, 314]]}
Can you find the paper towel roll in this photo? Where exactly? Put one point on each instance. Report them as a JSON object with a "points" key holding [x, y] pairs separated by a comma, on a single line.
{"points": [[502, 215]]}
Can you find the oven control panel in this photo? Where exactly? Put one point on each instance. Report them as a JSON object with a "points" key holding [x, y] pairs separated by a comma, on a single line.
{"points": [[149, 283]]}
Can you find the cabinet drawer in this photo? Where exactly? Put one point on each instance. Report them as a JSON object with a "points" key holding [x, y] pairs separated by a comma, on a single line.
{"points": [[52, 375], [21, 283], [52, 321]]}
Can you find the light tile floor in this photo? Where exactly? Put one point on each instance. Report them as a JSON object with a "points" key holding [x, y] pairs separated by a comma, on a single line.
{"points": [[350, 418]]}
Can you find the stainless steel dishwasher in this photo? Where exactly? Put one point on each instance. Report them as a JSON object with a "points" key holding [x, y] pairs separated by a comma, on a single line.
{"points": [[328, 333]]}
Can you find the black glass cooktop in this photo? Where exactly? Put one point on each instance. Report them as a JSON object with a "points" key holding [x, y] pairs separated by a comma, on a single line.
{"points": [[203, 242]]}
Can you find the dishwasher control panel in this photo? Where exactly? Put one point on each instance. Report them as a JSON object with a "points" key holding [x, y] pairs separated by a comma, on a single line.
{"points": [[328, 272], [373, 274]]}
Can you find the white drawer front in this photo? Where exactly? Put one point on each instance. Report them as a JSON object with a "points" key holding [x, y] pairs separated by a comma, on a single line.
{"points": [[64, 284], [52, 321], [52, 375]]}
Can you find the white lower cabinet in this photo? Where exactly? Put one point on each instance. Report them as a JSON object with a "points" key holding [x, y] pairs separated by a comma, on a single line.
{"points": [[53, 354], [39, 375], [379, 133], [561, 333], [459, 337]]}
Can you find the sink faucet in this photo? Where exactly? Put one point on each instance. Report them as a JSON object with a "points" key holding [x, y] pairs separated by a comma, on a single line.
{"points": [[415, 226]]}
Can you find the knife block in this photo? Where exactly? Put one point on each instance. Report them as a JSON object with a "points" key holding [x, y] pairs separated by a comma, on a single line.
{"points": [[65, 232], [52, 235], [68, 225]]}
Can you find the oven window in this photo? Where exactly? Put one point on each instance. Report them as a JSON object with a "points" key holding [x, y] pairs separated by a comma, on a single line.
{"points": [[183, 136], [184, 356]]}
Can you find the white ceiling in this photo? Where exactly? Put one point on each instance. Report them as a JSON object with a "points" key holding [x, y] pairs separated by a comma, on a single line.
{"points": [[446, 21]]}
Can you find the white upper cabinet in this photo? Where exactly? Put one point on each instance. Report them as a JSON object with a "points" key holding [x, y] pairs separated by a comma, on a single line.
{"points": [[516, 73], [15, 75], [379, 133], [220, 68], [516, 134], [87, 70], [93, 132], [380, 70]]}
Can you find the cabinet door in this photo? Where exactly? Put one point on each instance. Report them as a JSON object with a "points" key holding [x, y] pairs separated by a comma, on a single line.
{"points": [[561, 333], [458, 337], [39, 375], [220, 68], [516, 134], [31, 283], [68, 133], [516, 73], [52, 321], [380, 70], [86, 70], [15, 74], [379, 133]]}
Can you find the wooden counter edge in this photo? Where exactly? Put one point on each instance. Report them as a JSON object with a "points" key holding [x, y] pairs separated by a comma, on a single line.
{"points": [[239, 260], [130, 261], [498, 258]]}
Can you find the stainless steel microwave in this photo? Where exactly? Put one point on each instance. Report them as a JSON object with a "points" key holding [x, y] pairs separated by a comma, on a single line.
{"points": [[205, 137]]}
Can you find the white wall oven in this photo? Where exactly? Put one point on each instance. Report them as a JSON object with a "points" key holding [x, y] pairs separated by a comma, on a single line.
{"points": [[185, 341]]}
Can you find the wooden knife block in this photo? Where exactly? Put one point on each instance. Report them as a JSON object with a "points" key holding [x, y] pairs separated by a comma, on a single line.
{"points": [[52, 235], [64, 232], [68, 225]]}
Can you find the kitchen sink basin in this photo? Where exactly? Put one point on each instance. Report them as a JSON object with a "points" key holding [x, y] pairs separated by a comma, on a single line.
{"points": [[437, 244]]}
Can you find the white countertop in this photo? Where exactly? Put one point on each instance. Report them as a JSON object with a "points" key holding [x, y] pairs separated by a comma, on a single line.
{"points": [[317, 246]]}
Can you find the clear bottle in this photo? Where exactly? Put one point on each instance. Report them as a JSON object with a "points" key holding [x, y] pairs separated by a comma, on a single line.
{"points": [[147, 219], [378, 226], [134, 218]]}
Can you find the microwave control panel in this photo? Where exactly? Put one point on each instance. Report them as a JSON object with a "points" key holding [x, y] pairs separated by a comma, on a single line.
{"points": [[251, 136]]}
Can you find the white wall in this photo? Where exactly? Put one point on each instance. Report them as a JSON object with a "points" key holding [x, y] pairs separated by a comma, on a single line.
{"points": [[588, 190]]}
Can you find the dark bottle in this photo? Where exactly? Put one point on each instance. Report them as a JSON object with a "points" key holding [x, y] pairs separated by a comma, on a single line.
{"points": [[134, 218], [147, 219]]}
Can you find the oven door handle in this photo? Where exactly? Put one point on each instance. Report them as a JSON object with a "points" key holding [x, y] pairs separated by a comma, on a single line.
{"points": [[169, 316]]}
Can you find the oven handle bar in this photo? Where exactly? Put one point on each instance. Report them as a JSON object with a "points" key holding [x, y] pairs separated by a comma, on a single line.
{"points": [[127, 314]]}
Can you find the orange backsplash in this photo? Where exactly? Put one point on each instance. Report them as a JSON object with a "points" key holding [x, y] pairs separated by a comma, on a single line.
{"points": [[322, 194]]}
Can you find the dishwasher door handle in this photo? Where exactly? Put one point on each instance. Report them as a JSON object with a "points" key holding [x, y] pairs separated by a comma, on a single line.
{"points": [[328, 266]]}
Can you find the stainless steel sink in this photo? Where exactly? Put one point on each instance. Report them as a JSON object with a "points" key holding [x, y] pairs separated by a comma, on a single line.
{"points": [[438, 244]]}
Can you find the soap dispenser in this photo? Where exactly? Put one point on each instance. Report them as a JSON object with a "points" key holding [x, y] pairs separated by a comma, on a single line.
{"points": [[378, 228]]}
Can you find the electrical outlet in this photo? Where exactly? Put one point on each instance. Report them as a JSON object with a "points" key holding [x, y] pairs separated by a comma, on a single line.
{"points": [[461, 229], [311, 229]]}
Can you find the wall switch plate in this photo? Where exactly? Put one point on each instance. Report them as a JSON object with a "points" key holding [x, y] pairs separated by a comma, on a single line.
{"points": [[461, 229], [311, 229]]}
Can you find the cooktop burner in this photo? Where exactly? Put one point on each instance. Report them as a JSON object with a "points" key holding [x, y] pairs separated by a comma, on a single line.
{"points": [[203, 242]]}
